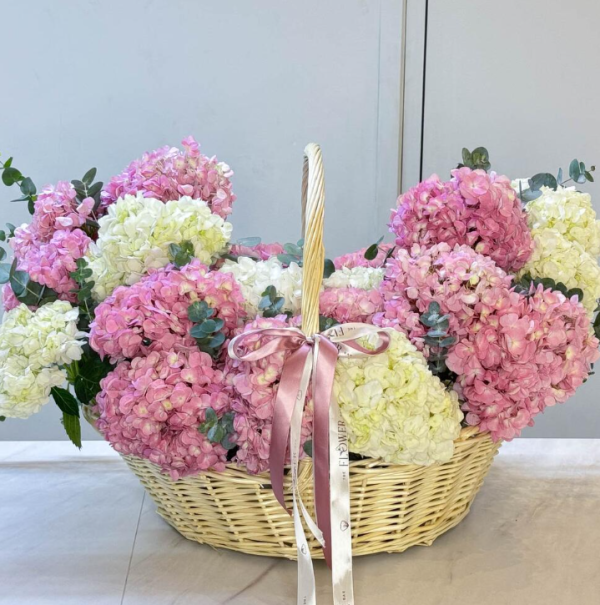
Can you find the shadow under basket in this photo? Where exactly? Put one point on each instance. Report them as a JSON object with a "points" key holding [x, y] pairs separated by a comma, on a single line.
{"points": [[393, 507]]}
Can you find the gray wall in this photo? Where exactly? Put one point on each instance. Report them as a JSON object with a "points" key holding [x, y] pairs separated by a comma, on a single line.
{"points": [[519, 77], [88, 83]]}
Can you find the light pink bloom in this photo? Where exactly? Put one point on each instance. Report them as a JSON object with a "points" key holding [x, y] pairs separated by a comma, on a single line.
{"points": [[152, 315], [168, 174], [152, 407], [474, 208]]}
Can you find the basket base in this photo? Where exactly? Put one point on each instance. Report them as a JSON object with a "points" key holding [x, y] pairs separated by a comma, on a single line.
{"points": [[392, 507]]}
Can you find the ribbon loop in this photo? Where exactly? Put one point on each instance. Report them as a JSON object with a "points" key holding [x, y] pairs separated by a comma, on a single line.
{"points": [[312, 362]]}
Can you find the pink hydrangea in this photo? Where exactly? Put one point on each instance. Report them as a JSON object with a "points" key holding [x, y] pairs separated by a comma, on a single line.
{"points": [[350, 304], [48, 247], [152, 407], [474, 208], [168, 174], [260, 251], [529, 353], [465, 284], [50, 263], [152, 315], [256, 385], [357, 259], [56, 209], [9, 300]]}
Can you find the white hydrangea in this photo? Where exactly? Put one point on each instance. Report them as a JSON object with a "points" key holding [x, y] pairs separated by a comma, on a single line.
{"points": [[568, 211], [564, 261], [395, 408], [32, 347], [365, 278], [136, 232], [255, 276]]}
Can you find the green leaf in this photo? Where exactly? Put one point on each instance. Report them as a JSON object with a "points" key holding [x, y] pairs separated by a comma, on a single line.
{"points": [[89, 176], [216, 433], [559, 176], [265, 302], [574, 171], [437, 333], [588, 176], [249, 242], [543, 179], [287, 259], [329, 268], [91, 369], [466, 156], [308, 448], [217, 340], [2, 253], [371, 252], [270, 292], [2, 418], [227, 443], [326, 322], [95, 189], [199, 311], [10, 176], [73, 428], [575, 292], [181, 254], [211, 416], [448, 341], [293, 250], [4, 273], [434, 307], [597, 326], [65, 401]]}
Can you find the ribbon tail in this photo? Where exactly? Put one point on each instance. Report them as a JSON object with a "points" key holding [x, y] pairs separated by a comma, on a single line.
{"points": [[326, 354], [289, 390]]}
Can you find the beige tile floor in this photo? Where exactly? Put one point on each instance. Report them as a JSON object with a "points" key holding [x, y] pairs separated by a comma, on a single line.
{"points": [[76, 529]]}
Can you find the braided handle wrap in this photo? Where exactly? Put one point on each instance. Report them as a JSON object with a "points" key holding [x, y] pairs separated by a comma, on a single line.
{"points": [[313, 210]]}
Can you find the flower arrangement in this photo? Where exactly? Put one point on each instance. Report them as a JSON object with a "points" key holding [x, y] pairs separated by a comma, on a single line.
{"points": [[123, 298]]}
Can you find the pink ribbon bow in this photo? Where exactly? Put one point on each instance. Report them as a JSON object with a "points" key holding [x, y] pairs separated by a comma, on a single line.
{"points": [[311, 359]]}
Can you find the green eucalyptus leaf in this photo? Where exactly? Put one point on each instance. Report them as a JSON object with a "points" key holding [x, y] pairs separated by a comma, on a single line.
{"points": [[575, 292], [543, 179], [371, 252], [466, 156], [217, 340], [89, 176], [559, 176], [227, 443], [249, 242], [4, 273], [434, 307], [10, 176], [293, 249], [328, 268], [27, 187], [198, 311], [448, 341], [574, 170], [211, 416], [588, 176]]}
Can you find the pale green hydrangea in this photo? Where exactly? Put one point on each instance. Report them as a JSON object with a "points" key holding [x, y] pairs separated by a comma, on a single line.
{"points": [[32, 347], [568, 211], [136, 232], [395, 408], [564, 261], [364, 278], [254, 277]]}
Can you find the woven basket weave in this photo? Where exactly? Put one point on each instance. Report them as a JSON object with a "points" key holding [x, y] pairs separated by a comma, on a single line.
{"points": [[393, 507]]}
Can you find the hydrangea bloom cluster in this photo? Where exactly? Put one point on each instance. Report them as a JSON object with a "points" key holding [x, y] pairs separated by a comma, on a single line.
{"points": [[352, 294], [568, 211], [152, 406], [474, 208], [395, 409], [135, 235], [152, 315], [365, 278], [531, 352], [254, 277], [260, 251], [464, 283], [256, 385], [350, 304], [51, 263], [32, 346], [357, 259], [565, 261], [48, 247], [168, 174]]}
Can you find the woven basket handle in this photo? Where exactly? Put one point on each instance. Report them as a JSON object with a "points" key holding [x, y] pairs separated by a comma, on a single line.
{"points": [[313, 210]]}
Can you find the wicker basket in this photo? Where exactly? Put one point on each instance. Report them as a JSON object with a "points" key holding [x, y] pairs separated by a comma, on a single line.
{"points": [[393, 507]]}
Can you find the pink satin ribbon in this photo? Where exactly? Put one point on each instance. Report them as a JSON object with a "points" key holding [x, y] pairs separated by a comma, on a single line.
{"points": [[323, 372]]}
